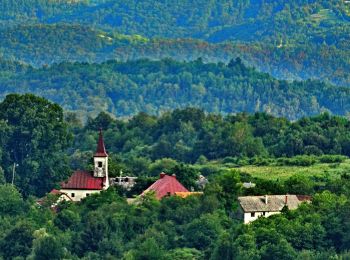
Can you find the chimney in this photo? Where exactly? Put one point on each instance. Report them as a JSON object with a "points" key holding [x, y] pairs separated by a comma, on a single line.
{"points": [[174, 175], [286, 200], [266, 199], [162, 175]]}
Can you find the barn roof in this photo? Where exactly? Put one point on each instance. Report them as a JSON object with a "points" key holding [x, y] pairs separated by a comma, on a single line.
{"points": [[83, 180], [166, 185], [271, 203]]}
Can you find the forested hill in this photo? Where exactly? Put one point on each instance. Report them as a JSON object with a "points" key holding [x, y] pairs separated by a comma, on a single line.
{"points": [[127, 88], [295, 39], [210, 20], [41, 44]]}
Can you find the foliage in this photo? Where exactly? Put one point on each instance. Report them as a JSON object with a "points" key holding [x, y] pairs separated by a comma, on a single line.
{"points": [[124, 89], [46, 44], [148, 145], [32, 145]]}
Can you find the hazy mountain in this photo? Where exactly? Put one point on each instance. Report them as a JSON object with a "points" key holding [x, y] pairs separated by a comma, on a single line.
{"points": [[127, 88], [41, 44]]}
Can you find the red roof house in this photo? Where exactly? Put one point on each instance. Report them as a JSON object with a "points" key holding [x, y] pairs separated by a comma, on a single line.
{"points": [[83, 180], [165, 186]]}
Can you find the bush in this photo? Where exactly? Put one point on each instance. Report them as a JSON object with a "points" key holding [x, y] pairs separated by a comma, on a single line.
{"points": [[300, 160], [230, 159], [328, 158], [261, 161]]}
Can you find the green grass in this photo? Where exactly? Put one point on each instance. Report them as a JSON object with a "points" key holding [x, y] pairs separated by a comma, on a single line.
{"points": [[326, 171], [329, 171]]}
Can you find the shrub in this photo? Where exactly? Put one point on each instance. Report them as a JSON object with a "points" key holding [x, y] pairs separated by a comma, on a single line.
{"points": [[328, 158], [300, 160]]}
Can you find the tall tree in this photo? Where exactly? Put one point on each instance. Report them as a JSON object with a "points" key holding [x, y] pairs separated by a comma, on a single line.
{"points": [[32, 149]]}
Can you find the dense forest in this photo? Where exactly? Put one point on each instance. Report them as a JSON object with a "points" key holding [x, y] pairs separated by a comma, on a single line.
{"points": [[35, 135], [211, 20], [291, 40], [39, 45], [154, 87]]}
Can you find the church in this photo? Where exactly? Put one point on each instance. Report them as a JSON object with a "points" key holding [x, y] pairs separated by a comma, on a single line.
{"points": [[83, 183]]}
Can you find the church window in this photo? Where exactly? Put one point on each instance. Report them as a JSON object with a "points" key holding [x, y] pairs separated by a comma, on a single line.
{"points": [[100, 164], [252, 214], [73, 195]]}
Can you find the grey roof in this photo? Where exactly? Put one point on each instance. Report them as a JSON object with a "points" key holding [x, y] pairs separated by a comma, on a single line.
{"points": [[274, 203]]}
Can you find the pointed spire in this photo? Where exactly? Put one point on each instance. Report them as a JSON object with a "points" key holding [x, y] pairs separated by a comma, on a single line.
{"points": [[101, 150]]}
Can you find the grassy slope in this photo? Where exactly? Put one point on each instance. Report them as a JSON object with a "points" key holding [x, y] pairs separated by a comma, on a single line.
{"points": [[319, 170]]}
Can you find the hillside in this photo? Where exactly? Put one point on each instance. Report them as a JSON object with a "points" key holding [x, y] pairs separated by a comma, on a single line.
{"points": [[39, 45], [297, 39], [127, 88], [210, 20]]}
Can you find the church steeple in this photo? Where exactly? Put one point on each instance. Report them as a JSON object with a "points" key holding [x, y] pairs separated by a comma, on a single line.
{"points": [[101, 160], [101, 150]]}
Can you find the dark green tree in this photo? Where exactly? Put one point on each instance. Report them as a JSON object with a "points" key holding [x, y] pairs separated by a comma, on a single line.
{"points": [[35, 143]]}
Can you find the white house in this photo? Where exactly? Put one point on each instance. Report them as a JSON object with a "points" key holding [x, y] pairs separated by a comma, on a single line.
{"points": [[264, 206], [83, 183]]}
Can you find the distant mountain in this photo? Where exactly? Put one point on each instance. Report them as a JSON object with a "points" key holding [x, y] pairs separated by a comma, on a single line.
{"points": [[125, 89], [42, 44], [214, 21]]}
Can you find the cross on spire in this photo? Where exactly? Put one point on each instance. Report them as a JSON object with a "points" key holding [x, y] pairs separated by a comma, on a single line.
{"points": [[101, 149]]}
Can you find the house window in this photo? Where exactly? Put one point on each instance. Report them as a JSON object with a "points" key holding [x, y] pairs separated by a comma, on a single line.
{"points": [[100, 164], [72, 195], [252, 214], [264, 213]]}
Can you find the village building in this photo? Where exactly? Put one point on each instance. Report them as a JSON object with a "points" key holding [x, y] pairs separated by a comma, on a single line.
{"points": [[58, 195], [166, 185], [83, 183], [126, 182], [264, 206]]}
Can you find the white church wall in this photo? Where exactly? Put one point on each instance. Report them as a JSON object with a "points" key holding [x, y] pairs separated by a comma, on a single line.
{"points": [[78, 195]]}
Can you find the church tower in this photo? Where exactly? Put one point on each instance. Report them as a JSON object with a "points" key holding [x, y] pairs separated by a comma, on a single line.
{"points": [[101, 161]]}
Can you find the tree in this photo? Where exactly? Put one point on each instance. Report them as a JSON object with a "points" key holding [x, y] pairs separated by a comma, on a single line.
{"points": [[149, 250], [18, 242], [36, 139], [11, 201], [298, 184], [184, 254], [229, 182], [186, 175], [48, 247]]}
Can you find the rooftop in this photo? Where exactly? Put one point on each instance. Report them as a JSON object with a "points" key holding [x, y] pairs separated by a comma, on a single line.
{"points": [[83, 180], [166, 185], [271, 203]]}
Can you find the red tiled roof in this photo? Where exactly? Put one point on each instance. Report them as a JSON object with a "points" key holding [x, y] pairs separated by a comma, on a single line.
{"points": [[56, 192], [166, 185], [83, 180], [101, 149]]}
